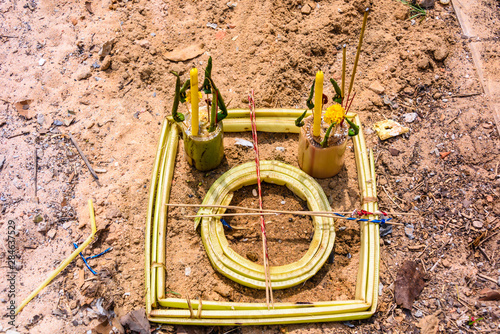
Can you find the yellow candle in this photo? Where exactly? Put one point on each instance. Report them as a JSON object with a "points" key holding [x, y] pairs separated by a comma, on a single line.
{"points": [[195, 120], [318, 103]]}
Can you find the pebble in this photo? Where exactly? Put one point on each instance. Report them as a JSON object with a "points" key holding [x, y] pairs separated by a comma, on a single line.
{"points": [[41, 62], [153, 34], [252, 256], [306, 10], [212, 25], [423, 63], [254, 192], [281, 149], [380, 289], [187, 271], [410, 117], [444, 2], [100, 170], [222, 290], [283, 202], [409, 231], [441, 53], [106, 63], [243, 142], [83, 73], [477, 224], [377, 87], [419, 314], [51, 234]]}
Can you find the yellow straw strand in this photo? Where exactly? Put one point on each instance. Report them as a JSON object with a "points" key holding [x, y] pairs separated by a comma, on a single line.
{"points": [[343, 70], [65, 263]]}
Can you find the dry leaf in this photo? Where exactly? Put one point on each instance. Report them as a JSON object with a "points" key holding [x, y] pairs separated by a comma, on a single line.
{"points": [[409, 284], [488, 294], [136, 321], [429, 324]]}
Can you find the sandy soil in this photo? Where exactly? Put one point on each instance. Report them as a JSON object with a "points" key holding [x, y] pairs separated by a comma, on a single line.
{"points": [[100, 70]]}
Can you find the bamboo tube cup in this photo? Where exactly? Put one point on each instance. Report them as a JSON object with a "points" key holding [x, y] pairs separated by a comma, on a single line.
{"points": [[317, 161], [204, 152]]}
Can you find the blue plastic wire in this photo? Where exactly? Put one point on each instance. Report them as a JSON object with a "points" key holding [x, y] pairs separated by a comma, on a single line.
{"points": [[84, 260], [378, 221], [100, 254], [225, 223]]}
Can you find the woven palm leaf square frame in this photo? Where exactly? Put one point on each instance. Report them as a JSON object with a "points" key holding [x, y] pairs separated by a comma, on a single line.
{"points": [[161, 309]]}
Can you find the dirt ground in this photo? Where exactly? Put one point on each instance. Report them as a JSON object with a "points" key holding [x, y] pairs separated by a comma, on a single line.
{"points": [[100, 71]]}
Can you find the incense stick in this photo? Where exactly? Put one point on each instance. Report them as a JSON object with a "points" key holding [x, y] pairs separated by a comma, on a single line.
{"points": [[365, 18], [343, 72]]}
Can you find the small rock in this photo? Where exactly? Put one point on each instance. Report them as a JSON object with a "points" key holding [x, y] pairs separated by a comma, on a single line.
{"points": [[423, 63], [444, 2], [410, 117], [252, 256], [52, 233], [100, 170], [106, 48], [281, 149], [223, 290], [377, 87], [306, 10], [426, 4], [380, 288], [394, 152], [83, 73], [40, 118], [441, 53], [419, 314], [38, 219], [437, 96], [184, 54], [41, 62], [106, 63], [444, 154], [243, 142], [212, 25], [409, 231], [187, 271], [446, 263], [254, 192], [477, 224], [144, 43]]}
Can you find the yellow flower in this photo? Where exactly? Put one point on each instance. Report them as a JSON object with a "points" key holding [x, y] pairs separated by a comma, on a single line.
{"points": [[188, 96], [334, 114]]}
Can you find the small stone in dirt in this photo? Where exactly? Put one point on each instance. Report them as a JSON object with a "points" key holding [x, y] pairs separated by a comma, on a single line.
{"points": [[423, 63], [83, 73], [410, 117], [444, 154], [281, 149], [106, 48], [441, 53], [254, 192], [419, 314], [306, 10], [52, 233], [385, 230], [187, 271], [437, 96], [41, 62], [446, 263], [409, 231], [426, 4], [243, 142], [222, 290], [38, 219], [394, 152], [144, 43], [444, 2], [100, 170], [477, 224], [252, 256], [40, 118], [184, 54], [106, 63], [377, 87]]}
